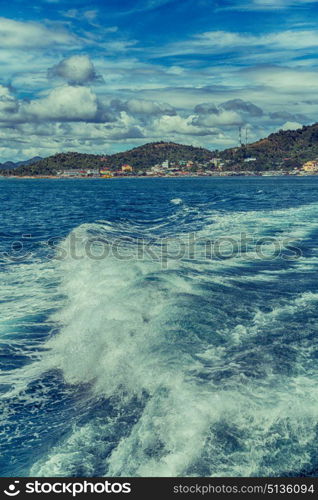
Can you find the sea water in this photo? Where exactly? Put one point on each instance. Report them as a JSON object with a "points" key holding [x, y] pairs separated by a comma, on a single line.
{"points": [[159, 327]]}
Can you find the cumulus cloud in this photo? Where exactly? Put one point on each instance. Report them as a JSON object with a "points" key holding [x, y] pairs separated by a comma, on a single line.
{"points": [[71, 116], [65, 103], [143, 107], [149, 107], [24, 35], [291, 126], [206, 109], [243, 106], [222, 118], [289, 117], [8, 103], [226, 114], [180, 125], [130, 133], [78, 69]]}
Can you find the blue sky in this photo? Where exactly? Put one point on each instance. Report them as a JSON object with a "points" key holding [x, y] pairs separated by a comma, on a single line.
{"points": [[106, 76]]}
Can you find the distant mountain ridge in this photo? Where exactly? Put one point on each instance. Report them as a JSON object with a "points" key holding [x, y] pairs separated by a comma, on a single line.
{"points": [[11, 164], [281, 150]]}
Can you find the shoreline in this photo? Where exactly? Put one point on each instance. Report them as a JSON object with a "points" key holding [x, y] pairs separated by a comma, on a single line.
{"points": [[215, 176]]}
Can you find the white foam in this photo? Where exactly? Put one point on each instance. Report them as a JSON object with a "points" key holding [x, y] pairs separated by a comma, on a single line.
{"points": [[122, 331]]}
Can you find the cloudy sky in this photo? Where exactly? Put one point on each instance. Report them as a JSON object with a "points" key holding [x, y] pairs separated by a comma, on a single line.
{"points": [[108, 75]]}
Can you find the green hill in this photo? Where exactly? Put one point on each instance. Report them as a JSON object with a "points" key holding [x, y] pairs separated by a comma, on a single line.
{"points": [[60, 161], [140, 158], [150, 154], [282, 150]]}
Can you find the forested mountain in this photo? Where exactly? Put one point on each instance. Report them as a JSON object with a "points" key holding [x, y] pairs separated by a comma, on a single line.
{"points": [[140, 158], [150, 154], [59, 161], [283, 150]]}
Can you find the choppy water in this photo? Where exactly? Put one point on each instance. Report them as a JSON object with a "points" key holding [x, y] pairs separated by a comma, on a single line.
{"points": [[159, 358]]}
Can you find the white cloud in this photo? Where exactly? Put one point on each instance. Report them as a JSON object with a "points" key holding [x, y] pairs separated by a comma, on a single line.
{"points": [[272, 4], [71, 13], [221, 41], [290, 126], [143, 107], [77, 69], [147, 5], [88, 15], [148, 107], [284, 80], [17, 34], [223, 118], [64, 103], [8, 103], [243, 107], [153, 101], [179, 125]]}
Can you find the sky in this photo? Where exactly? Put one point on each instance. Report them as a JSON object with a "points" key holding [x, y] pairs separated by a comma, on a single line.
{"points": [[105, 76]]}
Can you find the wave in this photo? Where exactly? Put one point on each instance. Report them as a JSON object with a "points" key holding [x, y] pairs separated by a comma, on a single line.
{"points": [[182, 369]]}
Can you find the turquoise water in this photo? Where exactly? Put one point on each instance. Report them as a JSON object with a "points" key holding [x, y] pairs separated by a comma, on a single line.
{"points": [[159, 327]]}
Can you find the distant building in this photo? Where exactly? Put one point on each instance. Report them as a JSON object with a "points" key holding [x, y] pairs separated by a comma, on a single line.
{"points": [[215, 161], [71, 173], [165, 164], [310, 166], [247, 160], [105, 173], [156, 169], [126, 168], [91, 172]]}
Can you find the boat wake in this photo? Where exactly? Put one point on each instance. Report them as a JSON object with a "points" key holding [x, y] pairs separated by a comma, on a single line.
{"points": [[188, 367]]}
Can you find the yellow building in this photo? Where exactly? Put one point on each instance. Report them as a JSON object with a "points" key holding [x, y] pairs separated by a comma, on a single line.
{"points": [[126, 168], [105, 173], [310, 166]]}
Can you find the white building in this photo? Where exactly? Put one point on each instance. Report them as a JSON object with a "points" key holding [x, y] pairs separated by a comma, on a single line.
{"points": [[165, 164]]}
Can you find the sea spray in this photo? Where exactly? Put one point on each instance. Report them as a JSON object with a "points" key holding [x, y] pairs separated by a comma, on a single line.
{"points": [[201, 366]]}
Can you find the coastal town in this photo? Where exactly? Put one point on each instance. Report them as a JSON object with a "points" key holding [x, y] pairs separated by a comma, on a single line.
{"points": [[291, 152], [214, 167]]}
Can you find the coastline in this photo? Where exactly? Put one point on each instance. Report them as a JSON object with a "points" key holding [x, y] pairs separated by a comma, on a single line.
{"points": [[217, 176]]}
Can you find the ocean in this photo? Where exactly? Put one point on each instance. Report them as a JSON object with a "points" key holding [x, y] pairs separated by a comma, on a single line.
{"points": [[159, 327]]}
